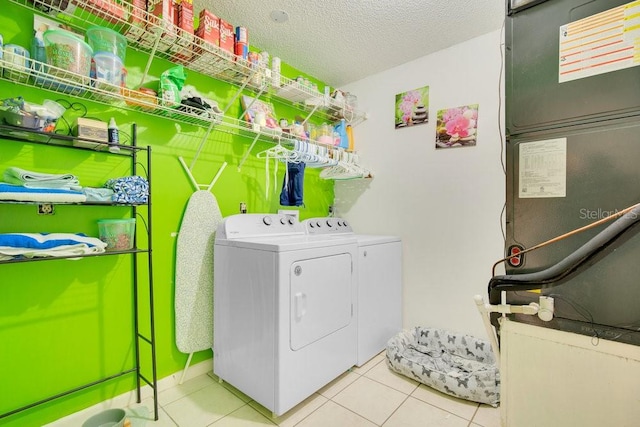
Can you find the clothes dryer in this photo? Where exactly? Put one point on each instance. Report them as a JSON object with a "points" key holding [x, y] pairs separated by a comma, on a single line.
{"points": [[379, 287], [284, 322]]}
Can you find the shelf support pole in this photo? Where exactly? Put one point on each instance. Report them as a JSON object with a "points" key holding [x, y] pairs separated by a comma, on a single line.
{"points": [[244, 158]]}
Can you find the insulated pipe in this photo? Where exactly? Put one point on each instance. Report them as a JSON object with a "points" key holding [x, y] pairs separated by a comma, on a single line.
{"points": [[601, 245]]}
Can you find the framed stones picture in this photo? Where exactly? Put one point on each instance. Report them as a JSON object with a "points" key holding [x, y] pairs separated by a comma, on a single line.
{"points": [[457, 127], [412, 108]]}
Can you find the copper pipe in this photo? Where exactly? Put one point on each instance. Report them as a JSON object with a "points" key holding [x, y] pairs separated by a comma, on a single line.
{"points": [[564, 236]]}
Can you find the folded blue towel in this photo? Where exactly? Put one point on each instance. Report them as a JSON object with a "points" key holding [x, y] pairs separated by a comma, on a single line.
{"points": [[12, 188], [46, 240]]}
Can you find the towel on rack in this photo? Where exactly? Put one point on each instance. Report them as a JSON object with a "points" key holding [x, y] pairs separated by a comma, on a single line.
{"points": [[48, 195], [31, 245], [293, 184], [32, 179]]}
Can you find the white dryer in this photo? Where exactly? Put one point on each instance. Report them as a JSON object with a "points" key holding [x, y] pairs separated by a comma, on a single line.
{"points": [[379, 295], [284, 323]]}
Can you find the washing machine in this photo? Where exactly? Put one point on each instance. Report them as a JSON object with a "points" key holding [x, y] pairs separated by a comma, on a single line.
{"points": [[379, 286], [284, 308]]}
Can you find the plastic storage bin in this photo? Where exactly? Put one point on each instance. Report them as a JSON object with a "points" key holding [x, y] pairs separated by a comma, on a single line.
{"points": [[108, 73], [69, 54], [17, 63], [117, 233], [103, 39]]}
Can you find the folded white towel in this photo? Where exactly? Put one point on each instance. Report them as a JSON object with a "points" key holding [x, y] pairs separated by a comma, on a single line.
{"points": [[14, 175]]}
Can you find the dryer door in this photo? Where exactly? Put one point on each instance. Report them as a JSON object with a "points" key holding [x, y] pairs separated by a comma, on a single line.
{"points": [[320, 298]]}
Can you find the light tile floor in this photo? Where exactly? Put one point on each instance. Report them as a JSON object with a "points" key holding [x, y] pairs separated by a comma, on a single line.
{"points": [[368, 396]]}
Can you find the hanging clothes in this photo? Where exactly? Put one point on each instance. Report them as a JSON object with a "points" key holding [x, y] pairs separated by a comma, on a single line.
{"points": [[292, 185]]}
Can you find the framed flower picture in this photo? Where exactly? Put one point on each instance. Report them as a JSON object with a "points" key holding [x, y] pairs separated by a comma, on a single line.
{"points": [[412, 108], [457, 127]]}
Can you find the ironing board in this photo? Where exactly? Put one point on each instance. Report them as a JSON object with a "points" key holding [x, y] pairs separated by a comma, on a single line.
{"points": [[194, 273]]}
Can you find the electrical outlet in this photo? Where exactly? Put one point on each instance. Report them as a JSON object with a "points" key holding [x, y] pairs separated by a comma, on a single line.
{"points": [[45, 209]]}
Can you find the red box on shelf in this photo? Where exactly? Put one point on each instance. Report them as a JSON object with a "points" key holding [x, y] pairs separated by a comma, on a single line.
{"points": [[209, 28], [108, 10], [227, 36], [137, 19]]}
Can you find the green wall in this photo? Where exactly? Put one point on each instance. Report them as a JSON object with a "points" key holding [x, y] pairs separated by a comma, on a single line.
{"points": [[68, 322]]}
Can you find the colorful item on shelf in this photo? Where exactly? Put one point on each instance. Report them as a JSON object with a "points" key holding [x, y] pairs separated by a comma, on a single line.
{"points": [[252, 107], [35, 245], [129, 189], [226, 36], [171, 83], [209, 28], [69, 54]]}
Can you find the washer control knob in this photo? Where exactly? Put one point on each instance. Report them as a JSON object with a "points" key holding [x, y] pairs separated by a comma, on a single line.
{"points": [[345, 223], [291, 221], [283, 221], [318, 224], [266, 220], [311, 224], [329, 224]]}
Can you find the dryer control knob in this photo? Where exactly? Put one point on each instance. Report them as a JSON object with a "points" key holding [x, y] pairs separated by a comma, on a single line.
{"points": [[329, 224], [266, 220], [318, 224], [291, 221], [283, 221]]}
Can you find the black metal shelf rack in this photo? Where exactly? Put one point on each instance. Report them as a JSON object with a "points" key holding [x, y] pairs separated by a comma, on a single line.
{"points": [[23, 135]]}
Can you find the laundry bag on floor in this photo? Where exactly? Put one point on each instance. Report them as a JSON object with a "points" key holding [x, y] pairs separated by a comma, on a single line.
{"points": [[458, 365]]}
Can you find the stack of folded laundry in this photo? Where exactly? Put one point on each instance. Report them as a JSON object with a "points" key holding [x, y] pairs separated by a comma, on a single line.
{"points": [[129, 189], [32, 245], [23, 185]]}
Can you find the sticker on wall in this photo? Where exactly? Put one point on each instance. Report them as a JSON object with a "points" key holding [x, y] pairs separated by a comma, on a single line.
{"points": [[456, 127], [412, 108]]}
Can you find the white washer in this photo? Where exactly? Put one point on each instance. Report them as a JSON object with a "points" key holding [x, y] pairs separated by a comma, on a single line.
{"points": [[284, 323], [379, 295]]}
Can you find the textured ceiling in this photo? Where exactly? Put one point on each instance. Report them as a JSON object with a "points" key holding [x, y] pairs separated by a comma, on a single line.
{"points": [[342, 41]]}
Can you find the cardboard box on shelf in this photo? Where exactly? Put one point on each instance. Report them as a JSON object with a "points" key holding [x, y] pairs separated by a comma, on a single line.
{"points": [[227, 36], [108, 10], [137, 19], [183, 20], [209, 28], [90, 129], [160, 20]]}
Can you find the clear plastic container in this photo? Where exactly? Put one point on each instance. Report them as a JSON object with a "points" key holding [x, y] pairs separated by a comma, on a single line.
{"points": [[118, 234], [103, 39], [108, 72], [67, 52]]}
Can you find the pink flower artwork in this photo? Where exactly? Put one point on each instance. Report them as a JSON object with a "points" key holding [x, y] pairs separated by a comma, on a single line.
{"points": [[412, 107], [456, 127]]}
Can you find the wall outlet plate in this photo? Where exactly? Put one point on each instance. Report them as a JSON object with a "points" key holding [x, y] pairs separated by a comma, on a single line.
{"points": [[45, 209]]}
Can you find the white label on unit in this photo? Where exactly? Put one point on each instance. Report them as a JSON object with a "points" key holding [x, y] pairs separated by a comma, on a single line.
{"points": [[543, 169], [601, 43]]}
